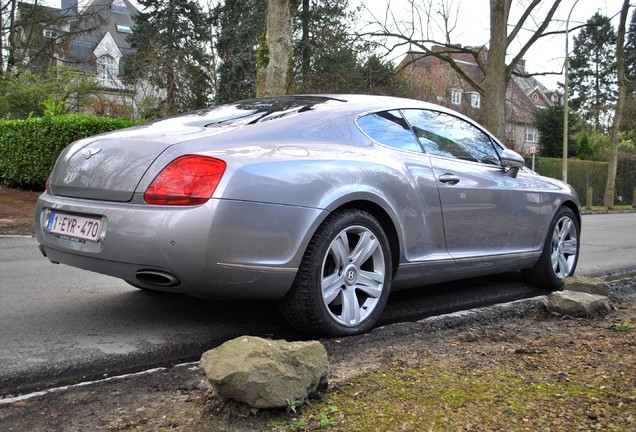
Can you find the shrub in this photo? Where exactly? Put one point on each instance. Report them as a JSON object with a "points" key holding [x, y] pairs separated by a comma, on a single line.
{"points": [[28, 93], [585, 151], [29, 148]]}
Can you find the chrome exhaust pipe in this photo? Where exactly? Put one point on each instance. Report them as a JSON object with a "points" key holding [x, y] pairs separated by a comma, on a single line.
{"points": [[157, 278]]}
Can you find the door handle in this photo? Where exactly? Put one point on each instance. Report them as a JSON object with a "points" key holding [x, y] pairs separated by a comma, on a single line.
{"points": [[449, 178]]}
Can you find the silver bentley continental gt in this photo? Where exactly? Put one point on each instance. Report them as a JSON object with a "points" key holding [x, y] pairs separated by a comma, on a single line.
{"points": [[325, 203]]}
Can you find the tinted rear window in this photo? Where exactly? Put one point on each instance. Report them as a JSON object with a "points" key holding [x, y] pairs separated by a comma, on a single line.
{"points": [[259, 110], [389, 128]]}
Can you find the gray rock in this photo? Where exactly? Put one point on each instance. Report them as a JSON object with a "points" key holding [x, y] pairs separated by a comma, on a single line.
{"points": [[266, 373], [587, 284], [580, 304]]}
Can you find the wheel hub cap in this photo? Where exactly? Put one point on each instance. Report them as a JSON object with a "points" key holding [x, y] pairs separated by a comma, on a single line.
{"points": [[351, 275]]}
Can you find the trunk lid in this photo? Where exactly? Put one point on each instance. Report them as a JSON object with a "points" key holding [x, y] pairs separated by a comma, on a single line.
{"points": [[110, 166]]}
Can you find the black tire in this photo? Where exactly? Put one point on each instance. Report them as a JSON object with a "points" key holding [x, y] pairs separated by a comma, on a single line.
{"points": [[348, 262], [560, 252]]}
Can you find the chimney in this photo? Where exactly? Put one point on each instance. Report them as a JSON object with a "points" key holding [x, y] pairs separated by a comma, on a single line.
{"points": [[521, 66], [69, 9]]}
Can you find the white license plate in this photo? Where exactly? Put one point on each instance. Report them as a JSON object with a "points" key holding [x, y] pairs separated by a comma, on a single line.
{"points": [[75, 226]]}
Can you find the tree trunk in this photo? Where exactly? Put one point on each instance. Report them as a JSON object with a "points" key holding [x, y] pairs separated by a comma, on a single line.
{"points": [[273, 74], [1, 48], [496, 78], [306, 49], [11, 57], [620, 103], [171, 90]]}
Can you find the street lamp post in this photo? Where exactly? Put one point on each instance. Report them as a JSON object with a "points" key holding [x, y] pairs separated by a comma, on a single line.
{"points": [[565, 97]]}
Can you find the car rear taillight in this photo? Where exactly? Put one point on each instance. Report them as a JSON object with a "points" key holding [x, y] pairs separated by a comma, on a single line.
{"points": [[187, 180]]}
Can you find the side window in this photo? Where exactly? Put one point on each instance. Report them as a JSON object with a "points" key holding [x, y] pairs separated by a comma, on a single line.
{"points": [[446, 135], [389, 128]]}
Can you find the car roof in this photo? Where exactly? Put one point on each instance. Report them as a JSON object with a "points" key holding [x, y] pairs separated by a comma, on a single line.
{"points": [[356, 104]]}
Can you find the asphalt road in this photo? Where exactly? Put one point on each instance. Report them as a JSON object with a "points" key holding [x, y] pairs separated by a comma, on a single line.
{"points": [[58, 323]]}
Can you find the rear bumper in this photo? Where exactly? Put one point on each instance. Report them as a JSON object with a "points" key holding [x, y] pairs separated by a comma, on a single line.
{"points": [[222, 249]]}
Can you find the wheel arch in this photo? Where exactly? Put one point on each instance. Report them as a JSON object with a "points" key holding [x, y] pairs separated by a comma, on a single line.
{"points": [[575, 209], [556, 206], [385, 221]]}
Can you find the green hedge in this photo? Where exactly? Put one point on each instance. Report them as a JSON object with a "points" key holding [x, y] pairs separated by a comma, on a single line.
{"points": [[583, 174], [29, 148]]}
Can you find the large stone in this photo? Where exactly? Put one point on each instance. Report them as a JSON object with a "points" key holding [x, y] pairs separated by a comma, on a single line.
{"points": [[579, 304], [266, 373], [587, 284]]}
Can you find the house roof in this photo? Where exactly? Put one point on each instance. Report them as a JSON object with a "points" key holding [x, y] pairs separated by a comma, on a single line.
{"points": [[123, 14], [48, 17], [97, 19]]}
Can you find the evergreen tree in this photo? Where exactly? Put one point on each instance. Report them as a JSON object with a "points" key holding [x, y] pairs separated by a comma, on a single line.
{"points": [[630, 52], [585, 151], [173, 40], [629, 117], [380, 78], [549, 124], [330, 59], [240, 25], [327, 57], [325, 53], [593, 71]]}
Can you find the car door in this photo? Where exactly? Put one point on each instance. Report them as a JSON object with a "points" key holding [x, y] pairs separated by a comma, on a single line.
{"points": [[485, 211], [421, 215]]}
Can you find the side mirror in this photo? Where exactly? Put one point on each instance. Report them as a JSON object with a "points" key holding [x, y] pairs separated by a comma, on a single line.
{"points": [[512, 162]]}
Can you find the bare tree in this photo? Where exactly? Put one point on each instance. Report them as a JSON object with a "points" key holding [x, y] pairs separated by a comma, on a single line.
{"points": [[33, 34], [8, 10], [274, 65], [618, 113], [497, 67]]}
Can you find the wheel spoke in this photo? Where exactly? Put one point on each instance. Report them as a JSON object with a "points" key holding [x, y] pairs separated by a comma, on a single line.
{"points": [[331, 286], [554, 254], [340, 249], [370, 283], [554, 258], [367, 244], [350, 307], [569, 247], [555, 238], [566, 228], [564, 268]]}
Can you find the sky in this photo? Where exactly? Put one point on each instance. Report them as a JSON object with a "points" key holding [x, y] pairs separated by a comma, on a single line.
{"points": [[546, 55]]}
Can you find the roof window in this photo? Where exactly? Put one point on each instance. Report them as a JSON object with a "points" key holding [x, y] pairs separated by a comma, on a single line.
{"points": [[119, 7], [124, 29]]}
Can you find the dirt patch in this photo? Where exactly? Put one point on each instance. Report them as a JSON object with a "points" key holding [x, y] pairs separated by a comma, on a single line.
{"points": [[549, 348], [17, 210]]}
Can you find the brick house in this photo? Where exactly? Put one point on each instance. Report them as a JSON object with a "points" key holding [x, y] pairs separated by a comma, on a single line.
{"points": [[433, 80]]}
